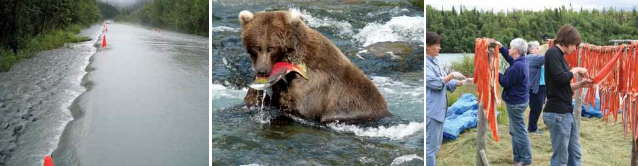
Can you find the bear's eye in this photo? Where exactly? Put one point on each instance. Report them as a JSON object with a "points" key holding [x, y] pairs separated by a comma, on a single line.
{"points": [[290, 50], [271, 49], [255, 49]]}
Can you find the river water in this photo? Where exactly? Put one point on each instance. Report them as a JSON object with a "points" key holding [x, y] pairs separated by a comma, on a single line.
{"points": [[141, 100], [250, 136]]}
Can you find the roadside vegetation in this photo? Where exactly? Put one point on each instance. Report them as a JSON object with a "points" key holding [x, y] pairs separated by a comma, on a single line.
{"points": [[30, 26]]}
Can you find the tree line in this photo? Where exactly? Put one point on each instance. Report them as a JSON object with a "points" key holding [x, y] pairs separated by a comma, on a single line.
{"points": [[30, 26], [23, 19], [188, 16], [459, 27], [107, 10]]}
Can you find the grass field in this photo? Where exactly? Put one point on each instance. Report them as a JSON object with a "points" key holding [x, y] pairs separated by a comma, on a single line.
{"points": [[601, 144]]}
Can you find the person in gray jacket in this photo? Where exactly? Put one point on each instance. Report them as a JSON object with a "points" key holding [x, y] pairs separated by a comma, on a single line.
{"points": [[437, 85], [537, 91]]}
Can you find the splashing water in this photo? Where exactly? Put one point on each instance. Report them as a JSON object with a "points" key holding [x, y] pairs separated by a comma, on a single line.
{"points": [[263, 99], [261, 117], [406, 158], [397, 132]]}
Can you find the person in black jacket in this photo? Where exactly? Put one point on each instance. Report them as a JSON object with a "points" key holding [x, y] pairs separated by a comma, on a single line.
{"points": [[557, 113]]}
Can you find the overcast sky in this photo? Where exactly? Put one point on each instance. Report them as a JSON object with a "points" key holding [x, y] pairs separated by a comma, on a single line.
{"points": [[121, 3], [535, 5]]}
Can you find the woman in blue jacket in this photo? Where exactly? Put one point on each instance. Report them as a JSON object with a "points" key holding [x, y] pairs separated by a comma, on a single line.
{"points": [[516, 94]]}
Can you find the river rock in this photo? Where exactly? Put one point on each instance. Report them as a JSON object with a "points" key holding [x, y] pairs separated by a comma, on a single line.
{"points": [[389, 57]]}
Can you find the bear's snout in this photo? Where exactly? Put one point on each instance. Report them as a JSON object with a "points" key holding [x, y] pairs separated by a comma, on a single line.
{"points": [[262, 73], [262, 69]]}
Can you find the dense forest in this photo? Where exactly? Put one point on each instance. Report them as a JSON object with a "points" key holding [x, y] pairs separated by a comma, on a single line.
{"points": [[28, 26], [23, 19], [459, 27], [188, 16], [107, 10]]}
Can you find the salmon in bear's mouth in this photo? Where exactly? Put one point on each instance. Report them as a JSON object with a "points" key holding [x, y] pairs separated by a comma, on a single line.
{"points": [[279, 70]]}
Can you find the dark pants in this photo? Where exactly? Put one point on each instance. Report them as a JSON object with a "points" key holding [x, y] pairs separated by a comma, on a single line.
{"points": [[536, 102]]}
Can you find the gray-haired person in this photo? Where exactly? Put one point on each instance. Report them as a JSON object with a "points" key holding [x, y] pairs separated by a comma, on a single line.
{"points": [[537, 91], [516, 94]]}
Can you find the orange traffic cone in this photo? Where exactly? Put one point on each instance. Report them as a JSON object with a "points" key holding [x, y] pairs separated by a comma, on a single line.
{"points": [[107, 29], [104, 41], [48, 161]]}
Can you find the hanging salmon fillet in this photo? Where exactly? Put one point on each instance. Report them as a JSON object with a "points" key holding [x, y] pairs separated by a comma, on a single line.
{"points": [[486, 67], [604, 72]]}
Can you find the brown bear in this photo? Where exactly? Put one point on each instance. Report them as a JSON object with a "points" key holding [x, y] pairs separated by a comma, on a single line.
{"points": [[335, 90]]}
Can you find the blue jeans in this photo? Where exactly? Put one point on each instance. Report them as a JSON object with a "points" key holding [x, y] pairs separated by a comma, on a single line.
{"points": [[564, 137], [434, 138], [521, 146]]}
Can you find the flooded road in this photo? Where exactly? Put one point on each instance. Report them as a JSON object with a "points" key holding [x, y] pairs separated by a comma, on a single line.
{"points": [[142, 100], [35, 96], [146, 102], [384, 39]]}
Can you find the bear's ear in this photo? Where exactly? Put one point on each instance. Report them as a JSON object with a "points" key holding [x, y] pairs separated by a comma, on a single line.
{"points": [[245, 17], [294, 17]]}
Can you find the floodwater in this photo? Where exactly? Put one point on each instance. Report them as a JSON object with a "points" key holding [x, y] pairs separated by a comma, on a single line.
{"points": [[146, 103], [368, 33], [35, 96], [142, 100]]}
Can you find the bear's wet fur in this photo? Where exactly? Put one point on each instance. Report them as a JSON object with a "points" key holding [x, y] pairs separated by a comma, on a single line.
{"points": [[336, 90]]}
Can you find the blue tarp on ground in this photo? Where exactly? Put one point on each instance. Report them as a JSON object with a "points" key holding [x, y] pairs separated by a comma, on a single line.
{"points": [[590, 111], [462, 115]]}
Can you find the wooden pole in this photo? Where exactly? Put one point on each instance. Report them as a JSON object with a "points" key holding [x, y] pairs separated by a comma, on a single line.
{"points": [[634, 153], [634, 149], [579, 95], [616, 42], [481, 138], [484, 158]]}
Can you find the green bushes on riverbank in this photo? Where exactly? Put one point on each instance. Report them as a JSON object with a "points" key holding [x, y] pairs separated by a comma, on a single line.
{"points": [[45, 41], [30, 26], [465, 66]]}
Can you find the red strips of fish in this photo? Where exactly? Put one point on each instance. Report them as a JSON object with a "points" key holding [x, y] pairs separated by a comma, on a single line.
{"points": [[486, 65]]}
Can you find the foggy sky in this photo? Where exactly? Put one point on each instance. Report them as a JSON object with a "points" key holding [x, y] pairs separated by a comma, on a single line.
{"points": [[122, 3]]}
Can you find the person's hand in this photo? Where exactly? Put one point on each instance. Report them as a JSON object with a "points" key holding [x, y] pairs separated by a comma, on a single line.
{"points": [[468, 81], [457, 75], [497, 43], [579, 70], [587, 82], [583, 71]]}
